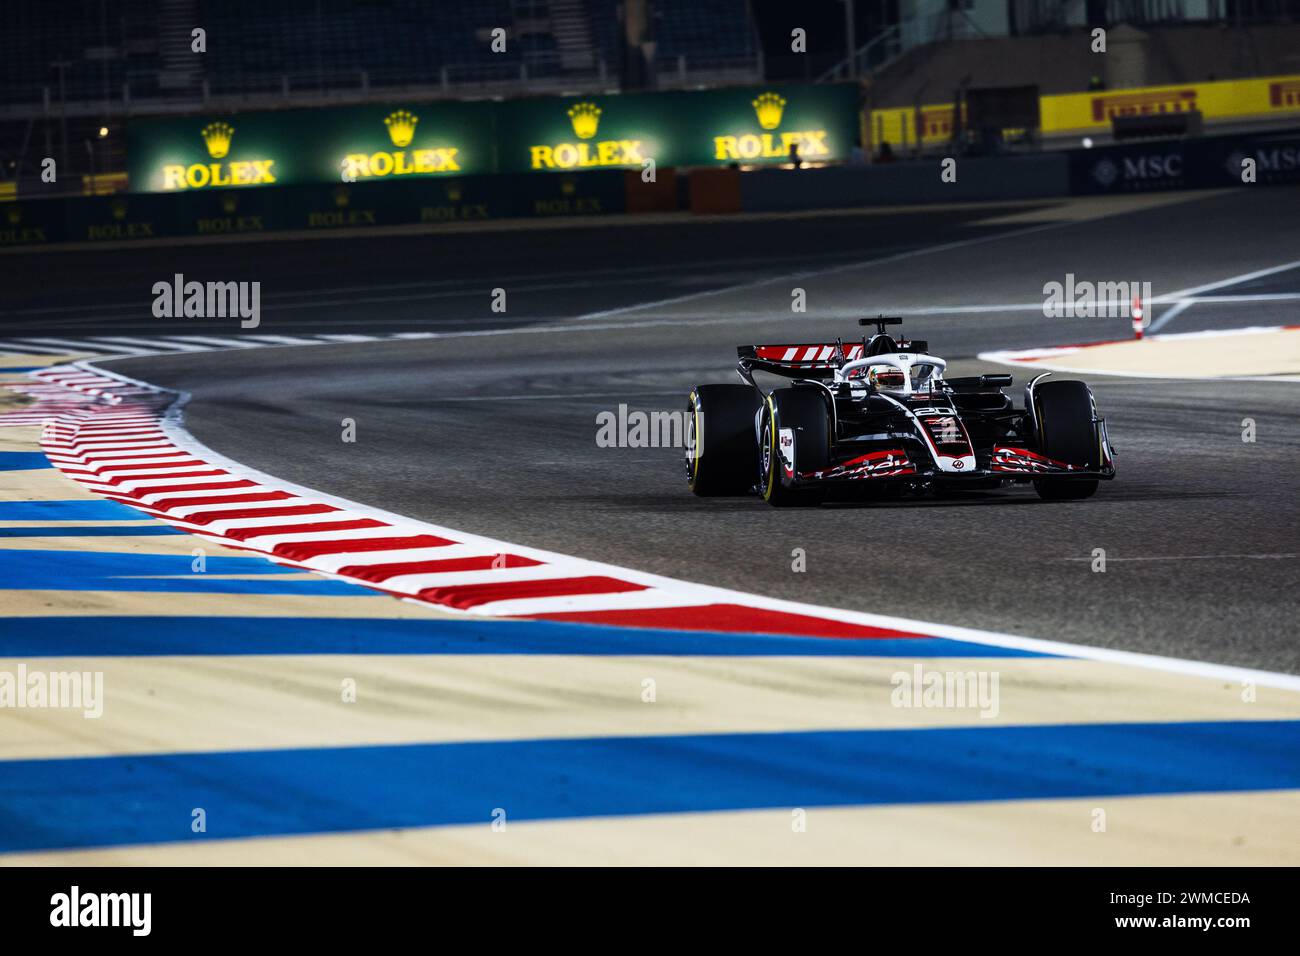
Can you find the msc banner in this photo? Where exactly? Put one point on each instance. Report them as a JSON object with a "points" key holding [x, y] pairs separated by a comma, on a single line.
{"points": [[1206, 163], [747, 126]]}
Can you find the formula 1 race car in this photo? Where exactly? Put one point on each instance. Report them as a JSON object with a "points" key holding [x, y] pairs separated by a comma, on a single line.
{"points": [[878, 418]]}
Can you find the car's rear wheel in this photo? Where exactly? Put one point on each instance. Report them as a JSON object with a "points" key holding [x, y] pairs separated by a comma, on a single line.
{"points": [[795, 438], [1066, 433], [721, 447]]}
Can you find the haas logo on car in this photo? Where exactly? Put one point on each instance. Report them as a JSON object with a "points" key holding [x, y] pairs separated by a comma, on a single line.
{"points": [[786, 443]]}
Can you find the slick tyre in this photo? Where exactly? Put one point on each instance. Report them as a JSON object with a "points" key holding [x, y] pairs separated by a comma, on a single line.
{"points": [[1065, 412], [798, 416], [721, 447]]}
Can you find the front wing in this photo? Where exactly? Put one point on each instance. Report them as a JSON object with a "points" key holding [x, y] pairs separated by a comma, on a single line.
{"points": [[1005, 461]]}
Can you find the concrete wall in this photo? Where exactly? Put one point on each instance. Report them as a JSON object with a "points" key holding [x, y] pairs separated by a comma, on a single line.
{"points": [[1018, 177], [1209, 162]]}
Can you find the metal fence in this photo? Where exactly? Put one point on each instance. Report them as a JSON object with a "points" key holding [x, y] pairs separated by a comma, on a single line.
{"points": [[144, 95]]}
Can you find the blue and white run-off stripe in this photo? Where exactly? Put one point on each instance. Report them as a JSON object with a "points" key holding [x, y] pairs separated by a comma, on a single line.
{"points": [[393, 692]]}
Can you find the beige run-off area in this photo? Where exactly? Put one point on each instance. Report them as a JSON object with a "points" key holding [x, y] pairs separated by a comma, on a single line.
{"points": [[1237, 353]]}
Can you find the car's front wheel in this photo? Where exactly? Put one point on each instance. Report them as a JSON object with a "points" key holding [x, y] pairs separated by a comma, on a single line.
{"points": [[1065, 413]]}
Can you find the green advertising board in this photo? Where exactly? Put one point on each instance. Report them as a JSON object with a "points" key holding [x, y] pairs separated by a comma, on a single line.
{"points": [[310, 207], [348, 144], [404, 141], [364, 143], [744, 125], [32, 223]]}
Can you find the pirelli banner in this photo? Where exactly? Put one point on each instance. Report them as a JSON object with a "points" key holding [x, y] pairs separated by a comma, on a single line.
{"points": [[1272, 97], [746, 126], [1269, 97]]}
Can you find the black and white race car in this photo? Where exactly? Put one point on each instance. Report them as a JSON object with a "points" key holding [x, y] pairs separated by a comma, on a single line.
{"points": [[879, 418]]}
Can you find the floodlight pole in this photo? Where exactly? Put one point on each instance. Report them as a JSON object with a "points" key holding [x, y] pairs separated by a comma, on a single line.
{"points": [[850, 39], [62, 67]]}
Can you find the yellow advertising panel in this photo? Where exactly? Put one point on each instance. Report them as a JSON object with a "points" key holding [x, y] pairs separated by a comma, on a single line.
{"points": [[898, 126], [1226, 99], [1092, 111]]}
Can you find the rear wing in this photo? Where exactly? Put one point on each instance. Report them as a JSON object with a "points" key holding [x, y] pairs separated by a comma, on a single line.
{"points": [[808, 360]]}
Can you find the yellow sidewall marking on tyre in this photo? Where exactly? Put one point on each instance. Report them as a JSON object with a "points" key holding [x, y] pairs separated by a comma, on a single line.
{"points": [[699, 438], [773, 451]]}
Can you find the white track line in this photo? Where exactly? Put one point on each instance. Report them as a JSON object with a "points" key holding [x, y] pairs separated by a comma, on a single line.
{"points": [[152, 345], [830, 270], [1170, 315], [1197, 557], [1233, 280], [683, 592]]}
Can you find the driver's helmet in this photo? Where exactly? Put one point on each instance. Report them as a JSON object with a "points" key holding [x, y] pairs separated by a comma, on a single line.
{"points": [[886, 377]]}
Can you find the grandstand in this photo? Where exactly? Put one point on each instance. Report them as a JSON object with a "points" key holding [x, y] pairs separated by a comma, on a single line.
{"points": [[72, 69], [1061, 61], [136, 51]]}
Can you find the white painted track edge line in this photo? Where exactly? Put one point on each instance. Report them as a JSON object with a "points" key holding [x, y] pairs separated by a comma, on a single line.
{"points": [[171, 421], [1233, 280]]}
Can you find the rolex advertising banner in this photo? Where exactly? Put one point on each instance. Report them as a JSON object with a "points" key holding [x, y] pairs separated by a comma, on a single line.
{"points": [[402, 141], [365, 143], [745, 125], [349, 144], [309, 207], [254, 149], [32, 223]]}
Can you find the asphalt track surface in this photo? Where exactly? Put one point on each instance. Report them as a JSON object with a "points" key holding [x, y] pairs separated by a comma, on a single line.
{"points": [[491, 427]]}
